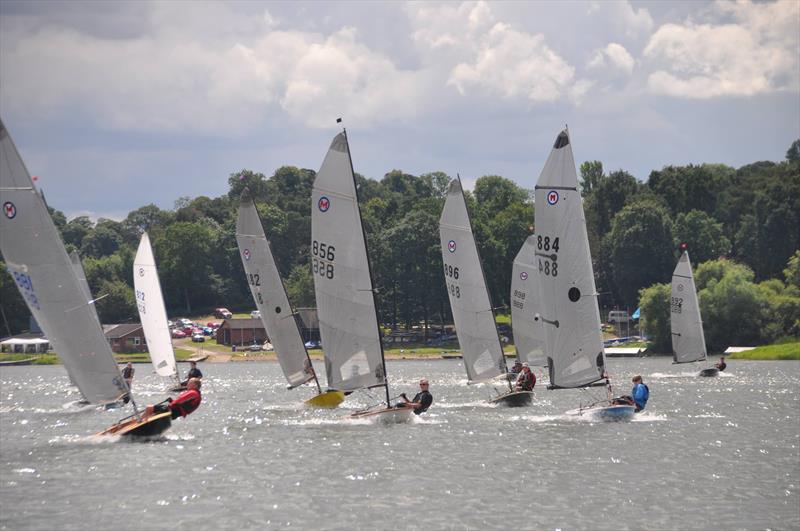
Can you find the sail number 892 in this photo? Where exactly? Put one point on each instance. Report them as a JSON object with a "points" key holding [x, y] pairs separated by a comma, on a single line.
{"points": [[323, 257]]}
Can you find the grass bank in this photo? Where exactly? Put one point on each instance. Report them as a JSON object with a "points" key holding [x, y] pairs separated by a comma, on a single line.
{"points": [[781, 351]]}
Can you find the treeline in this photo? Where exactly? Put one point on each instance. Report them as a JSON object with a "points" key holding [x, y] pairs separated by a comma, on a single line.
{"points": [[749, 215]]}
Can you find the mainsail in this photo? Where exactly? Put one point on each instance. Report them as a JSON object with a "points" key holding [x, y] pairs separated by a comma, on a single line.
{"points": [[466, 287], [348, 321], [569, 311], [38, 262], [529, 334], [688, 341], [152, 312], [269, 294]]}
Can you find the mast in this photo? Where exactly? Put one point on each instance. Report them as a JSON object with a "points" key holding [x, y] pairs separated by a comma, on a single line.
{"points": [[369, 266]]}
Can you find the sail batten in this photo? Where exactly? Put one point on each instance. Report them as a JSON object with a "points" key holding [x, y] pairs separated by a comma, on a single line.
{"points": [[152, 312], [569, 311], [36, 259], [342, 277], [688, 340], [269, 294], [471, 306]]}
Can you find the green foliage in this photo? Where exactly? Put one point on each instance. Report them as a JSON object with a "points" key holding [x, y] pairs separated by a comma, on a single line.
{"points": [[703, 235], [654, 307], [15, 314], [686, 188], [781, 351], [792, 271], [118, 304], [714, 270], [591, 174], [793, 153]]}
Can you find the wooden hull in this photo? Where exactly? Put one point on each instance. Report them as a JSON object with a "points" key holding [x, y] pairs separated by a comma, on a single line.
{"points": [[513, 399], [709, 373], [395, 415], [155, 425], [326, 400]]}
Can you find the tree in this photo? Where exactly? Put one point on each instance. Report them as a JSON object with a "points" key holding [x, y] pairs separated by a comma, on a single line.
{"points": [[255, 182], [609, 196], [494, 193], [75, 230], [793, 153], [118, 304], [792, 271], [591, 175], [686, 188], [15, 313], [103, 240], [703, 236], [640, 246], [655, 317], [184, 252]]}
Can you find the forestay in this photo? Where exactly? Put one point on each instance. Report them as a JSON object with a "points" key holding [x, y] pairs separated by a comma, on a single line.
{"points": [[466, 288], [342, 281], [38, 262], [688, 341], [526, 322], [152, 312], [569, 299], [269, 294]]}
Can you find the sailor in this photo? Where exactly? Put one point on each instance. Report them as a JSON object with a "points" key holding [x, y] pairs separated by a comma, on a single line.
{"points": [[640, 393], [183, 405], [517, 368], [721, 365], [127, 374], [422, 400], [526, 379], [194, 372]]}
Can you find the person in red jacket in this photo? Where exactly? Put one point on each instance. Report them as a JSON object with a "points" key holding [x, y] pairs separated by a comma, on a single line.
{"points": [[184, 404]]}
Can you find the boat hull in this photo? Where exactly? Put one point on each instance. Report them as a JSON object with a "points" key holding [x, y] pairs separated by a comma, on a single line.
{"points": [[615, 413], [12, 363], [709, 372], [394, 415], [514, 399], [135, 428], [326, 400]]}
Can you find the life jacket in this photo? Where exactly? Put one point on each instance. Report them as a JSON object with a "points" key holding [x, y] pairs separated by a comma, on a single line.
{"points": [[186, 402]]}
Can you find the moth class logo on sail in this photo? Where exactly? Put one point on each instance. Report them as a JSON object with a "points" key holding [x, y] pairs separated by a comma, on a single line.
{"points": [[524, 275], [246, 254], [451, 246], [552, 197], [9, 210], [324, 204]]}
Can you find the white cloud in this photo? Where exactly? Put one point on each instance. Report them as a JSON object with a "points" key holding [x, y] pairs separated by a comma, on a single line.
{"points": [[756, 53], [514, 64], [614, 56], [632, 22]]}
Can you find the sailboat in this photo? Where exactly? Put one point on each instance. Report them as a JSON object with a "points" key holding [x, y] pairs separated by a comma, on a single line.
{"points": [[526, 324], [473, 314], [38, 262], [348, 319], [153, 314], [688, 341], [569, 312], [270, 297]]}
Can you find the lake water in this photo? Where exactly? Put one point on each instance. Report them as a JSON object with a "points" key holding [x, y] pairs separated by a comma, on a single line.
{"points": [[717, 453]]}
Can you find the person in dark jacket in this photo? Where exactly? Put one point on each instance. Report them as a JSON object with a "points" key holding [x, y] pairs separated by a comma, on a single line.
{"points": [[526, 379], [721, 365], [194, 372], [422, 400]]}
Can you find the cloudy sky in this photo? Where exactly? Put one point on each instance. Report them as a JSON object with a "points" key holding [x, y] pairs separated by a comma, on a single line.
{"points": [[115, 105]]}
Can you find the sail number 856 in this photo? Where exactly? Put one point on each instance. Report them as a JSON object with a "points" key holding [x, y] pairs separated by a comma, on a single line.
{"points": [[323, 257]]}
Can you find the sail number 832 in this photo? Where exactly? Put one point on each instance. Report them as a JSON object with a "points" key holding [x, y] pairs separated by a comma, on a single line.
{"points": [[323, 256]]}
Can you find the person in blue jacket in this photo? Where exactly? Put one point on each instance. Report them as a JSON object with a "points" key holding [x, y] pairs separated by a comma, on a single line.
{"points": [[640, 393]]}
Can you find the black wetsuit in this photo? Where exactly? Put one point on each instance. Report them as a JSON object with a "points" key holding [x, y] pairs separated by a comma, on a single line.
{"points": [[721, 366], [194, 373], [425, 398]]}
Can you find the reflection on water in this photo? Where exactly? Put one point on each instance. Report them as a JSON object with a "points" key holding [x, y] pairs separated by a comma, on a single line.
{"points": [[707, 453]]}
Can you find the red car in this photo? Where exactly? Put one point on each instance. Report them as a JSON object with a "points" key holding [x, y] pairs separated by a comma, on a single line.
{"points": [[222, 313], [178, 334]]}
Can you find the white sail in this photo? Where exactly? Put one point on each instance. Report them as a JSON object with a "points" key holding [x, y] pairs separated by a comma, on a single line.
{"points": [[688, 341], [75, 259], [526, 322], [152, 312], [38, 262], [466, 288], [269, 294], [569, 310], [342, 281]]}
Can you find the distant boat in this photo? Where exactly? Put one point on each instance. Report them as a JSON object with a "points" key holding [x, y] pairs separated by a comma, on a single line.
{"points": [[269, 294], [348, 319], [44, 274], [688, 340], [526, 322], [569, 309], [153, 314], [469, 299]]}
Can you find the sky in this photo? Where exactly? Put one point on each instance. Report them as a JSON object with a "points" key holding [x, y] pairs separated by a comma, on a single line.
{"points": [[115, 105]]}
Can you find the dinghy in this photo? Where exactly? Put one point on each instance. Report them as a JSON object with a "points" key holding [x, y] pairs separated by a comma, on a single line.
{"points": [[348, 318], [47, 279], [269, 294], [688, 340], [569, 311], [472, 309]]}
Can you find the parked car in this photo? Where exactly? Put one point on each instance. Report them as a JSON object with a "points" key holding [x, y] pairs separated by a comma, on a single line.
{"points": [[185, 322], [222, 313], [198, 338], [255, 347], [212, 324], [178, 334], [255, 314], [207, 331], [188, 330], [170, 324], [618, 316], [268, 346], [312, 344]]}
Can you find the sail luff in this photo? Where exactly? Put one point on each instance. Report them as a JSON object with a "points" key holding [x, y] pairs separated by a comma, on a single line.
{"points": [[152, 312], [686, 325], [526, 323], [44, 274], [269, 295], [569, 310]]}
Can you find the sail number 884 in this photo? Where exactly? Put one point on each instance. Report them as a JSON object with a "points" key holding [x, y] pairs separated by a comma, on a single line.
{"points": [[323, 257]]}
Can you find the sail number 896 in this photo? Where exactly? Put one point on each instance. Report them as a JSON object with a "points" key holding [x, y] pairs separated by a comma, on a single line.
{"points": [[323, 257]]}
